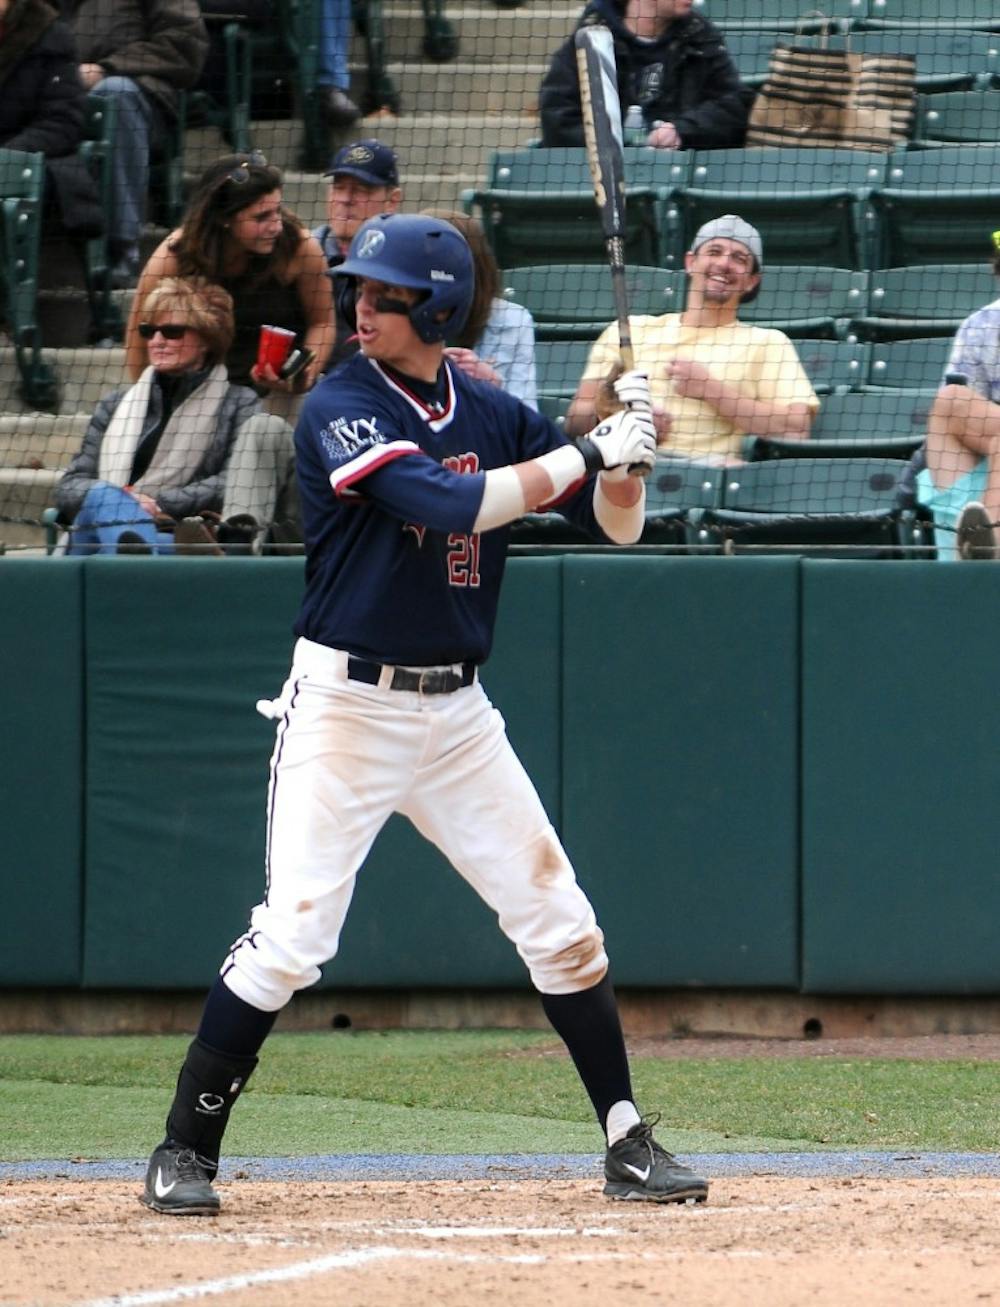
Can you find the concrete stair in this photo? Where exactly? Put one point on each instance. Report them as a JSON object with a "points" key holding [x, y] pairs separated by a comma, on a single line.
{"points": [[453, 116]]}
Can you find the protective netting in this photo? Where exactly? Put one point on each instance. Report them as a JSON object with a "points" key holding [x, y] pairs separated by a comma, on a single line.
{"points": [[153, 152]]}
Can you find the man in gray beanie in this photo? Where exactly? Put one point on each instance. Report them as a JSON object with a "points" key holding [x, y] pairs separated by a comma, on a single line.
{"points": [[713, 379]]}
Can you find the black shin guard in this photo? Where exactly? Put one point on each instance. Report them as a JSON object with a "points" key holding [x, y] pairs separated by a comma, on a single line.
{"points": [[590, 1027], [207, 1087]]}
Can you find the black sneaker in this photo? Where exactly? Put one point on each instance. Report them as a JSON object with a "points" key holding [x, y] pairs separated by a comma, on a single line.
{"points": [[637, 1168], [178, 1182]]}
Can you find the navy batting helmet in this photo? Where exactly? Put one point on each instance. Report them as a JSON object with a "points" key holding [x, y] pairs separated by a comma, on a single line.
{"points": [[424, 254]]}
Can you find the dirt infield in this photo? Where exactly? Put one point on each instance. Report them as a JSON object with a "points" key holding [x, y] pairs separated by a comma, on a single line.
{"points": [[759, 1241]]}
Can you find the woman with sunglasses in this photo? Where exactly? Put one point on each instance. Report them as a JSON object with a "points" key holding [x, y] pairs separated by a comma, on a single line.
{"points": [[175, 445], [237, 234]]}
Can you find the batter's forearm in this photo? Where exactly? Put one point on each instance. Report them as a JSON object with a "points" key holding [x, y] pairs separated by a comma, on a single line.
{"points": [[510, 492]]}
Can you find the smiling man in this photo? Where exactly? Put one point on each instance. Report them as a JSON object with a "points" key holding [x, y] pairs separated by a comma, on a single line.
{"points": [[713, 379]]}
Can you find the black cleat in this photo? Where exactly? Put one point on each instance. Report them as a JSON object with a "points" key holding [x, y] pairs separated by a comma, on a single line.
{"points": [[178, 1182], [637, 1168]]}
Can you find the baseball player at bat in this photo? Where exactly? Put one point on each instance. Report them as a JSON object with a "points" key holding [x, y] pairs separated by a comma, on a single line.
{"points": [[713, 379], [410, 473]]}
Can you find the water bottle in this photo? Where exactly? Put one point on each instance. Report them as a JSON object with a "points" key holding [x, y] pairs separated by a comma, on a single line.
{"points": [[634, 127]]}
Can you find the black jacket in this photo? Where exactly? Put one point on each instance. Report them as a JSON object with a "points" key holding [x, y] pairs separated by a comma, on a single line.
{"points": [[42, 109], [160, 44], [41, 96], [686, 78]]}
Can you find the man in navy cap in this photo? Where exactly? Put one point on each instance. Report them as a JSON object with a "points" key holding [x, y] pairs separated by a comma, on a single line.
{"points": [[364, 181]]}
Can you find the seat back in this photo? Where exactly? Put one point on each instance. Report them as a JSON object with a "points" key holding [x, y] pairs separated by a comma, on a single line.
{"points": [[958, 118], [814, 485], [559, 365], [908, 364], [979, 14], [809, 205], [750, 50], [538, 205], [565, 168], [575, 300], [924, 300], [855, 417], [833, 366], [937, 205], [776, 15], [807, 300], [947, 59], [675, 491]]}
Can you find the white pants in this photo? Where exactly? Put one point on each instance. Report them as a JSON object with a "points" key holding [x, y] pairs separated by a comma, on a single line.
{"points": [[347, 756]]}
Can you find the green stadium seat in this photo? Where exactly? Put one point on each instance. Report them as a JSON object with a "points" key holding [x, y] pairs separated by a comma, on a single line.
{"points": [[851, 424], [575, 300], [809, 204], [538, 206], [750, 50], [674, 489], [22, 181], [100, 127], [958, 118], [937, 206], [981, 15], [559, 365], [833, 366], [908, 364], [838, 507], [778, 15], [807, 300], [948, 59], [923, 300], [553, 405]]}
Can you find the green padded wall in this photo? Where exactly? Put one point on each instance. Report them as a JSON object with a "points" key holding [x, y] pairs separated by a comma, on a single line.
{"points": [[41, 772], [901, 778], [178, 760], [414, 921], [178, 653], [680, 771]]}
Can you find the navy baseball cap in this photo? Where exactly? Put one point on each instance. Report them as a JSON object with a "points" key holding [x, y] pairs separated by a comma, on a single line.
{"points": [[371, 162]]}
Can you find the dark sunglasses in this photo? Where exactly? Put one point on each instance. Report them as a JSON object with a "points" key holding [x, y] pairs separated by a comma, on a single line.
{"points": [[168, 330]]}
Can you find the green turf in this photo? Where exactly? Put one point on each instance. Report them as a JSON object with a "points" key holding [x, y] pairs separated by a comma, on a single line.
{"points": [[479, 1092]]}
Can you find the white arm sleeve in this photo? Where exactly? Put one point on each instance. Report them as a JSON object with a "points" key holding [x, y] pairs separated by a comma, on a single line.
{"points": [[504, 495], [622, 525]]}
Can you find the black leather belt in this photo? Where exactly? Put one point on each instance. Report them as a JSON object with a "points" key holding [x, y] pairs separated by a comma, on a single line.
{"points": [[431, 680]]}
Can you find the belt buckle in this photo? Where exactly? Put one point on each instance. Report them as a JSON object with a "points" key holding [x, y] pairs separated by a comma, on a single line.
{"points": [[437, 680]]}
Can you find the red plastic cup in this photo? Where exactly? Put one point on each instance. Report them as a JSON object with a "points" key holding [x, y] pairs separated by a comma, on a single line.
{"points": [[274, 346]]}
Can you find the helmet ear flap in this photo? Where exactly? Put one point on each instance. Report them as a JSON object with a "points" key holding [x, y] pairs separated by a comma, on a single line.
{"points": [[345, 295]]}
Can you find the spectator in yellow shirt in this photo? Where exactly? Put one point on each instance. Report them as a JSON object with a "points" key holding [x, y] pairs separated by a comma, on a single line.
{"points": [[713, 378]]}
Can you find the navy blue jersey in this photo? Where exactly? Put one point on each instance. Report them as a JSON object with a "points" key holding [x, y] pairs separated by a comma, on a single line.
{"points": [[391, 483]]}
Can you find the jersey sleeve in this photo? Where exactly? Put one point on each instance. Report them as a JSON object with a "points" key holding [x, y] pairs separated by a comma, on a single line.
{"points": [[353, 432]]}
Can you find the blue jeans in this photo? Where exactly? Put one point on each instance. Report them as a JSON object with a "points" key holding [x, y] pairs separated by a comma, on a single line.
{"points": [[105, 513], [334, 43], [130, 159]]}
